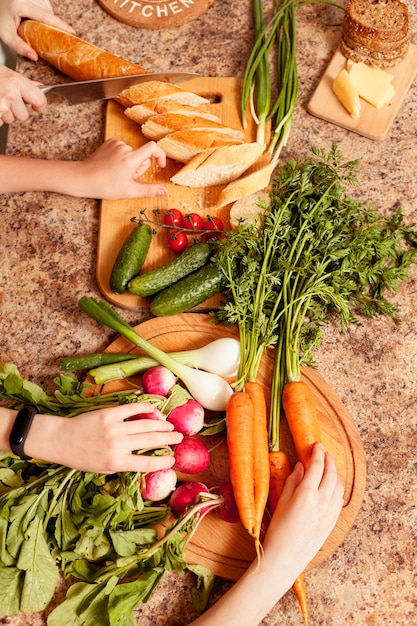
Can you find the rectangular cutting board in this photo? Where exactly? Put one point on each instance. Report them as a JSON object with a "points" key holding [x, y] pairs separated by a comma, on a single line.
{"points": [[372, 123], [115, 215]]}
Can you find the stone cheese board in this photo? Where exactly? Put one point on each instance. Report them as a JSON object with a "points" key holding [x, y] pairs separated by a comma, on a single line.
{"points": [[372, 123], [225, 548], [115, 215]]}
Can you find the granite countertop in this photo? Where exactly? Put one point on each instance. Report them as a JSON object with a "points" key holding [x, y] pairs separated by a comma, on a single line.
{"points": [[48, 250]]}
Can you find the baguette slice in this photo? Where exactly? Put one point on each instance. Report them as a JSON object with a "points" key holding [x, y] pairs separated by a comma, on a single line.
{"points": [[74, 56], [141, 112], [183, 145], [158, 126], [246, 185], [218, 166], [249, 211], [159, 90]]}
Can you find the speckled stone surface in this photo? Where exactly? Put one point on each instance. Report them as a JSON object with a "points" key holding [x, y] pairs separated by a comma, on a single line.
{"points": [[48, 250]]}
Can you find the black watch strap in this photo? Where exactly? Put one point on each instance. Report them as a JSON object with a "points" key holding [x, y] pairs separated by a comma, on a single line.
{"points": [[21, 429]]}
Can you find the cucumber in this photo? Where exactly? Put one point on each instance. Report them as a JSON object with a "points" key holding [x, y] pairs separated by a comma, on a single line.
{"points": [[131, 257], [189, 291], [191, 259]]}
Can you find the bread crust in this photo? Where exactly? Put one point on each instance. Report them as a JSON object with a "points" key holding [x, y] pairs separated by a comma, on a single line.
{"points": [[158, 90], [73, 56], [183, 145]]}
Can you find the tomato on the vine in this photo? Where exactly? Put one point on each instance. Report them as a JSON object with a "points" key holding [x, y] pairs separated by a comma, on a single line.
{"points": [[212, 223], [177, 241], [173, 217], [192, 221]]}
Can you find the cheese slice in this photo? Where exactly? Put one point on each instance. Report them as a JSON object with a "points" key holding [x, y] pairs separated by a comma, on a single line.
{"points": [[372, 84], [346, 92]]}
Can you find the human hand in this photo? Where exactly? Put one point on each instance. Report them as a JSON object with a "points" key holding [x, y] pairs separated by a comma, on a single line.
{"points": [[306, 513], [11, 14], [17, 91], [111, 172], [102, 442]]}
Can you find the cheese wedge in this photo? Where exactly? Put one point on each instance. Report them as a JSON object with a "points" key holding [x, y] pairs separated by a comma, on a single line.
{"points": [[346, 92], [372, 84]]}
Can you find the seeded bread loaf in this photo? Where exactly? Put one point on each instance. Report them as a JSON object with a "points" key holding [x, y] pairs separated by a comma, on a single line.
{"points": [[376, 32]]}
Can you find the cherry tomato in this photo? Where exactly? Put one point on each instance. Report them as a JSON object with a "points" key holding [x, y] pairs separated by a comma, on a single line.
{"points": [[177, 241], [173, 217], [212, 223], [192, 221]]}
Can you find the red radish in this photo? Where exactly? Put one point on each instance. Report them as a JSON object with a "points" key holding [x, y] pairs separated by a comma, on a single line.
{"points": [[158, 380], [155, 414], [188, 418], [159, 484], [228, 511], [186, 495], [191, 456]]}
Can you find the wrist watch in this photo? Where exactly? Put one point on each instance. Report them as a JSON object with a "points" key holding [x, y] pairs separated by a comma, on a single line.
{"points": [[20, 430]]}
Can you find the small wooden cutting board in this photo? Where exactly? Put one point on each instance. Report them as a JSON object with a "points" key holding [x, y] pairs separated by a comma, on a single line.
{"points": [[372, 123]]}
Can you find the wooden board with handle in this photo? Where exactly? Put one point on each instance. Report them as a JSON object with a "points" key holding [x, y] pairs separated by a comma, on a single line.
{"points": [[226, 549], [372, 123], [224, 95]]}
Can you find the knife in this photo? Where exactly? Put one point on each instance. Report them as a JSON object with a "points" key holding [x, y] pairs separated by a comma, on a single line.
{"points": [[106, 88]]}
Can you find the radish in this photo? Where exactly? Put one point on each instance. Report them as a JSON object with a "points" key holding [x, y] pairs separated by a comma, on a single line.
{"points": [[159, 484], [158, 380], [228, 511], [191, 456], [186, 495], [155, 414], [188, 418]]}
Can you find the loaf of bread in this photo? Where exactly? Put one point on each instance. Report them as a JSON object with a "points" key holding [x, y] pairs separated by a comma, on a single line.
{"points": [[142, 112], [74, 56], [183, 145], [158, 90], [218, 166], [376, 32], [157, 126]]}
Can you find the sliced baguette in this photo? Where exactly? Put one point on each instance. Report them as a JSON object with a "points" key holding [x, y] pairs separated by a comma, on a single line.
{"points": [[142, 112], [158, 126], [183, 145], [246, 185], [219, 166], [158, 90], [248, 211]]}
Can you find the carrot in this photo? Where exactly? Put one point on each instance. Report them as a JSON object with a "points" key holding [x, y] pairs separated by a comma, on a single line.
{"points": [[260, 452], [301, 413], [280, 469], [240, 440]]}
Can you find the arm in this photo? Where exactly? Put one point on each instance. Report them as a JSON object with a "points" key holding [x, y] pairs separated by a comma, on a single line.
{"points": [[306, 514], [99, 441], [110, 173], [11, 14]]}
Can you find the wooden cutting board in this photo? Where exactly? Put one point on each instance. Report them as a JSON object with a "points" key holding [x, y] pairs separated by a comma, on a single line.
{"points": [[372, 123], [156, 14], [115, 216], [226, 549]]}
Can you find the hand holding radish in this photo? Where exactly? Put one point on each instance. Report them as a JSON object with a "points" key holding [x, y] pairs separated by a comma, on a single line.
{"points": [[103, 441]]}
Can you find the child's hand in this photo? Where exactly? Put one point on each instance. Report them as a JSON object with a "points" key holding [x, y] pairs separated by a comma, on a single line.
{"points": [[16, 92], [111, 173], [11, 14]]}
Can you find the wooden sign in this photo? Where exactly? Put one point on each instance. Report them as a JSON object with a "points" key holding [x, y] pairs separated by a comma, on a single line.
{"points": [[155, 14]]}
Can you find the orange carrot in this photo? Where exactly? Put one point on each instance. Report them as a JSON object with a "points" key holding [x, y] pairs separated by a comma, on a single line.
{"points": [[260, 452], [280, 469], [301, 413], [240, 443]]}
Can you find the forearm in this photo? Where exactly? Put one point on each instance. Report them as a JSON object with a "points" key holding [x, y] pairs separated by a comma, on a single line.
{"points": [[18, 174]]}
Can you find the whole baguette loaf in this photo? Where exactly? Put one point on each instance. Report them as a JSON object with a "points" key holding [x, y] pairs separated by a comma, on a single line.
{"points": [[183, 145], [157, 126], [73, 56], [219, 166], [139, 113], [159, 90]]}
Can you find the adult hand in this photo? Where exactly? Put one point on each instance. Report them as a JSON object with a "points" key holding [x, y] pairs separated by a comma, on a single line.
{"points": [[11, 14], [16, 92]]}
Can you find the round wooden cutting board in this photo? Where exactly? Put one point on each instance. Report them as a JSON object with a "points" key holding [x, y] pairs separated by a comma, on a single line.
{"points": [[155, 14], [226, 549]]}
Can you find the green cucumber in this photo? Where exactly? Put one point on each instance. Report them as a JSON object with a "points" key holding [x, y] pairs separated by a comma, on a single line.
{"points": [[191, 259], [131, 257], [189, 291]]}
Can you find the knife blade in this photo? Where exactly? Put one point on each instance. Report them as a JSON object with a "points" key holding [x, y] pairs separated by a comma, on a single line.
{"points": [[106, 88]]}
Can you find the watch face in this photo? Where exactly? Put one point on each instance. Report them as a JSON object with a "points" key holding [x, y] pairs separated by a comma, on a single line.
{"points": [[155, 14]]}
